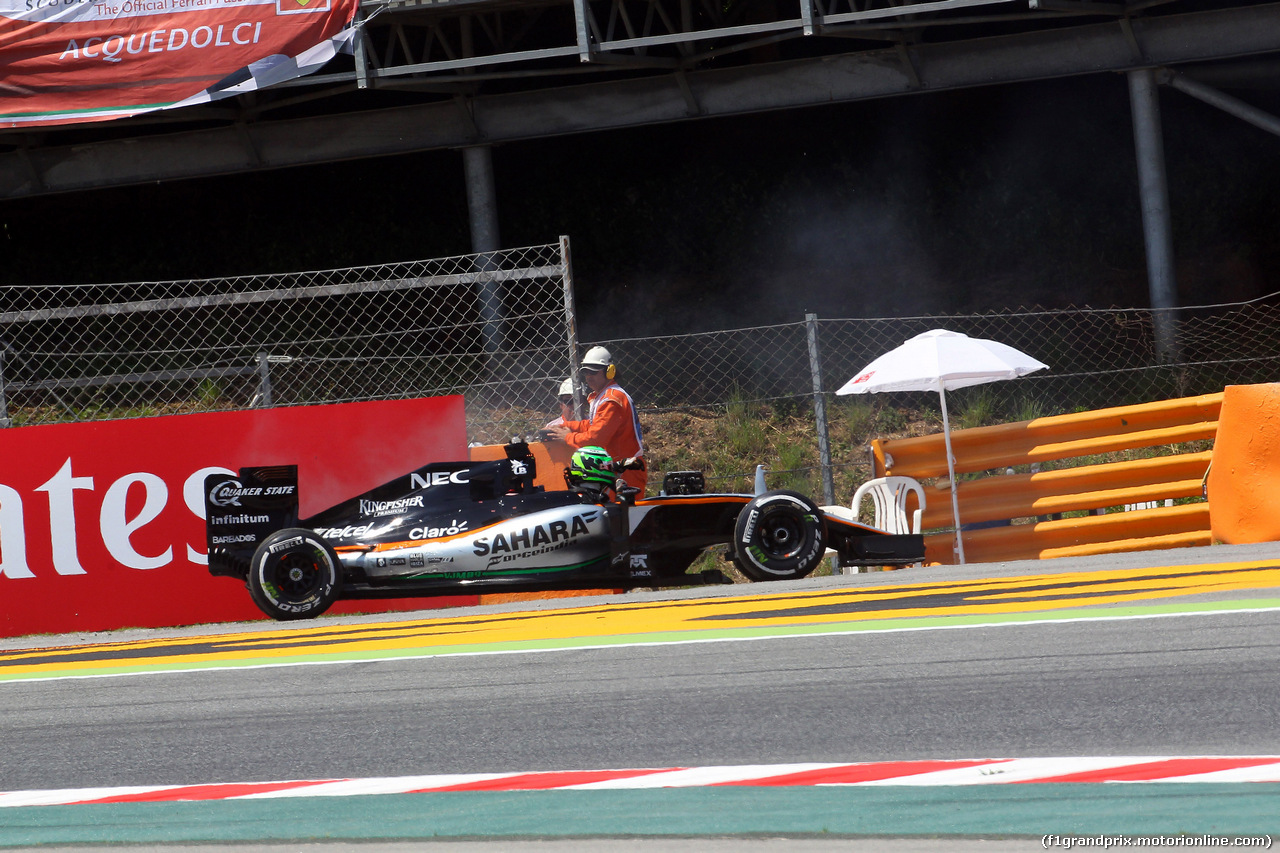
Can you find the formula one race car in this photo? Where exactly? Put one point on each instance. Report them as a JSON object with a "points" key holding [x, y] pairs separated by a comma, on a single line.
{"points": [[454, 527]]}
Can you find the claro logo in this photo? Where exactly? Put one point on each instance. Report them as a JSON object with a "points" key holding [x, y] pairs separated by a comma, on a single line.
{"points": [[128, 505]]}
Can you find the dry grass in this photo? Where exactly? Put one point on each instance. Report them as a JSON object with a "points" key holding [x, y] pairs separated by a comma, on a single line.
{"points": [[727, 443]]}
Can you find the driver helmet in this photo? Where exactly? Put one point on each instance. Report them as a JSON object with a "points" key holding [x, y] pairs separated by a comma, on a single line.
{"points": [[589, 466]]}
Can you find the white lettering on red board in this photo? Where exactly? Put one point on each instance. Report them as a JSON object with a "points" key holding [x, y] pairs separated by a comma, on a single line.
{"points": [[193, 497], [116, 48], [62, 519], [115, 526]]}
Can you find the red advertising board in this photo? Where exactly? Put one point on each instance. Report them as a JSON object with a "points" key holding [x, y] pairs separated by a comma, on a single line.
{"points": [[69, 61], [102, 524]]}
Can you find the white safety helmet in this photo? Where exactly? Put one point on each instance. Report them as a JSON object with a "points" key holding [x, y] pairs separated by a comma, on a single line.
{"points": [[566, 388], [599, 358]]}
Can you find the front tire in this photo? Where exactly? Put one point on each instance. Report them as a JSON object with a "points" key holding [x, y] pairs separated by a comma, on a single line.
{"points": [[294, 574], [779, 536]]}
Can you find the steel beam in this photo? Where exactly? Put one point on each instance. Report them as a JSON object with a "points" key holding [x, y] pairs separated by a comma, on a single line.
{"points": [[482, 198], [1260, 119], [482, 207], [1063, 52], [1157, 225]]}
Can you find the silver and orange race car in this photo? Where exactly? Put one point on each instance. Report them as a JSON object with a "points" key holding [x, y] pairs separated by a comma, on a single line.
{"points": [[457, 527]]}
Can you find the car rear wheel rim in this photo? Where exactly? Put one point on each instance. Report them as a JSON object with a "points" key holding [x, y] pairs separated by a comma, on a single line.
{"points": [[297, 576]]}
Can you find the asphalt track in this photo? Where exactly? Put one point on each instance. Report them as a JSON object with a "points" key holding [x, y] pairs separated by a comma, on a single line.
{"points": [[1158, 654]]}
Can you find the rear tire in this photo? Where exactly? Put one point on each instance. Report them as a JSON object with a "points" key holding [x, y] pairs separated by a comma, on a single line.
{"points": [[779, 536], [294, 574]]}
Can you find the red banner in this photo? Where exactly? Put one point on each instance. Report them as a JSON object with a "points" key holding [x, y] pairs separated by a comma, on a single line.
{"points": [[102, 524], [68, 61]]}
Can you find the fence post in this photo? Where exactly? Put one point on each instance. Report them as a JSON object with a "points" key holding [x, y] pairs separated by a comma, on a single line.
{"points": [[1153, 190], [4, 403], [820, 410], [264, 381], [571, 326]]}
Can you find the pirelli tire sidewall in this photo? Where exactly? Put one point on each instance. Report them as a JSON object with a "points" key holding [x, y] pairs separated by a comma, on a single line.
{"points": [[294, 574], [779, 535]]}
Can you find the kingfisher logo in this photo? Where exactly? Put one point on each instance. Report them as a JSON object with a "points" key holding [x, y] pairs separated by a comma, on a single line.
{"points": [[377, 508], [302, 7]]}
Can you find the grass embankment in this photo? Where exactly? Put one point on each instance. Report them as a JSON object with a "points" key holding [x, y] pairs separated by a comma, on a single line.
{"points": [[726, 443]]}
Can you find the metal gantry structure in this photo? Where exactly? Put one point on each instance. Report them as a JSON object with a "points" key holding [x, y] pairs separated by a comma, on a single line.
{"points": [[452, 35], [432, 74], [468, 74]]}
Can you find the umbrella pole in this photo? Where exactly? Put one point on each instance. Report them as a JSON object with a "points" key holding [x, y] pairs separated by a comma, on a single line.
{"points": [[951, 471]]}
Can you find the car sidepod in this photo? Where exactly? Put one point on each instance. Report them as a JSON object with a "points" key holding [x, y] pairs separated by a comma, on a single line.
{"points": [[669, 532], [511, 539]]}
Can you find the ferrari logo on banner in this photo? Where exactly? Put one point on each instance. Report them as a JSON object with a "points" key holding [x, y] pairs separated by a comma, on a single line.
{"points": [[68, 61]]}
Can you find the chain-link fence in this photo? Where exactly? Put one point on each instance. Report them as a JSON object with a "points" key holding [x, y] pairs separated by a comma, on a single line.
{"points": [[1096, 358], [497, 327]]}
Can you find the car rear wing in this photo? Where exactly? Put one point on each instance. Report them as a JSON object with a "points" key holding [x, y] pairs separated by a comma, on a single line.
{"points": [[241, 511]]}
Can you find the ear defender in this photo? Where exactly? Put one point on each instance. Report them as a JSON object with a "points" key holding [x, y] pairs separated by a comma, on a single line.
{"points": [[610, 372]]}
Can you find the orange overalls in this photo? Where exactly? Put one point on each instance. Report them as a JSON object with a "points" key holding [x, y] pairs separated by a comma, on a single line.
{"points": [[612, 424]]}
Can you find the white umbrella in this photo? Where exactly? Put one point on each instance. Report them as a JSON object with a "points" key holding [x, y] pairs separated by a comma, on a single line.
{"points": [[939, 360]]}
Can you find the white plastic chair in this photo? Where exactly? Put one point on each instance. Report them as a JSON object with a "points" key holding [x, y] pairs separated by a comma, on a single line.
{"points": [[1148, 505], [889, 496]]}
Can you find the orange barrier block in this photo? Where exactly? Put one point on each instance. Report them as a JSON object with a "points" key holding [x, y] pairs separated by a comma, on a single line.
{"points": [[1054, 437], [994, 499], [1244, 481], [551, 458], [1190, 539], [1088, 487], [1145, 529]]}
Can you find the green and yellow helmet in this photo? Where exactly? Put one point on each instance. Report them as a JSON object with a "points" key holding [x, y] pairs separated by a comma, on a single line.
{"points": [[589, 466]]}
